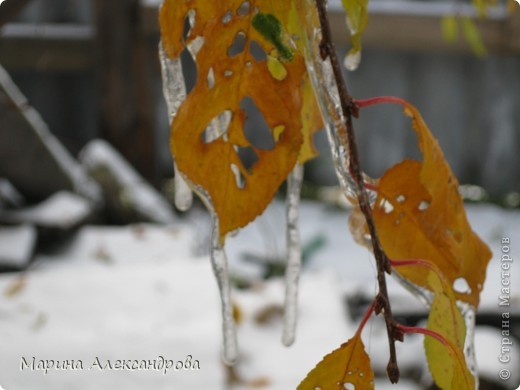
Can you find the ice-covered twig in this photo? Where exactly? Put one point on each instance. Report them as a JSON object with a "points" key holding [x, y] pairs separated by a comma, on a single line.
{"points": [[338, 108]]}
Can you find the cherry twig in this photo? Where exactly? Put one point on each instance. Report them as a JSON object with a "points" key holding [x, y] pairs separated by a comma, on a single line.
{"points": [[347, 138]]}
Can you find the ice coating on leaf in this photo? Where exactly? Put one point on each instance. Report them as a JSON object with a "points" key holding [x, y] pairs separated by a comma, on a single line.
{"points": [[469, 314], [352, 60], [183, 194], [327, 95], [174, 90], [224, 80], [432, 223], [174, 87], [294, 254], [357, 20], [220, 269]]}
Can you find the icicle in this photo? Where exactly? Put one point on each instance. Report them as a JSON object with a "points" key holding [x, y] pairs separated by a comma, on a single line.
{"points": [[294, 254], [469, 314], [174, 90], [220, 268]]}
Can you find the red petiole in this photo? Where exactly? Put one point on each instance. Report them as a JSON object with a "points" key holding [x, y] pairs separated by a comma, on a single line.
{"points": [[427, 332], [361, 103]]}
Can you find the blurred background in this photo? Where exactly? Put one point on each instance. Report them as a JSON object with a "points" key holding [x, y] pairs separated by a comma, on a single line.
{"points": [[91, 70], [84, 139]]}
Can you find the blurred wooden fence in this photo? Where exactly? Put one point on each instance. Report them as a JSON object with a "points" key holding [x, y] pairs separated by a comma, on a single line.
{"points": [[91, 69]]}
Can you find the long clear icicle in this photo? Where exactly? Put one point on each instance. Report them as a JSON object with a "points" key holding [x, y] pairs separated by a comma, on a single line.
{"points": [[174, 90], [294, 254], [221, 271]]}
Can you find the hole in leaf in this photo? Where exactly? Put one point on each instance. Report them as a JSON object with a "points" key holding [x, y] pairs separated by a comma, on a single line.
{"points": [[217, 128], [189, 23], [349, 386], [461, 285], [248, 157], [211, 78], [240, 180], [423, 205], [386, 206], [238, 45], [189, 70], [400, 199], [228, 73], [244, 8], [257, 51], [227, 17], [256, 129]]}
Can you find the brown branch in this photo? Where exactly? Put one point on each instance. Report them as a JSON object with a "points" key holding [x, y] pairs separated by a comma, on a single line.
{"points": [[348, 139]]}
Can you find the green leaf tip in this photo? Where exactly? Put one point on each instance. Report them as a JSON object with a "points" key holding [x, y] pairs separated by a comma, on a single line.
{"points": [[271, 29]]}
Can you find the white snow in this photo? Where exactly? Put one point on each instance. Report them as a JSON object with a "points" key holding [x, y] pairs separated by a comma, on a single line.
{"points": [[63, 210], [137, 292], [9, 194], [16, 245], [136, 190]]}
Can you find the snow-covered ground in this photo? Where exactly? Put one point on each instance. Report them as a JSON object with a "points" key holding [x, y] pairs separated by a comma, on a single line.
{"points": [[143, 292]]}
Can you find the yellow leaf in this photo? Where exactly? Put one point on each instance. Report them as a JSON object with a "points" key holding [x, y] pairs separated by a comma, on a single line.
{"points": [[449, 28], [357, 21], [419, 214], [461, 378], [348, 367], [214, 167], [473, 37], [430, 213], [445, 318], [311, 122]]}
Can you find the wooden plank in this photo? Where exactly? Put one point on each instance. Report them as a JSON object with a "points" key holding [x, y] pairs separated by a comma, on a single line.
{"points": [[11, 8], [405, 25], [126, 110], [393, 25], [47, 47]]}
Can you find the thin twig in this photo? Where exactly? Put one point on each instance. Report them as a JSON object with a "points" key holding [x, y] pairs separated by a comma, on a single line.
{"points": [[347, 137]]}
